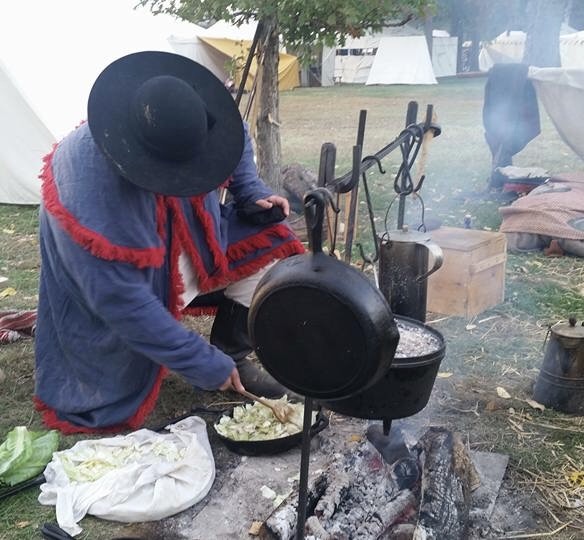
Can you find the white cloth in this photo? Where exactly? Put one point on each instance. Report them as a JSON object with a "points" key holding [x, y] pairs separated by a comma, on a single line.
{"points": [[142, 476], [240, 291]]}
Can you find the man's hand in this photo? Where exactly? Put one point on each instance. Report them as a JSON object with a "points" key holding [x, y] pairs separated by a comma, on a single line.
{"points": [[275, 200], [233, 382]]}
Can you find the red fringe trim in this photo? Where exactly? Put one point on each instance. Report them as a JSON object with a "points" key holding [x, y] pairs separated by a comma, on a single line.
{"points": [[207, 222], [293, 247], [176, 285], [198, 311], [52, 421], [94, 242], [242, 248], [205, 281]]}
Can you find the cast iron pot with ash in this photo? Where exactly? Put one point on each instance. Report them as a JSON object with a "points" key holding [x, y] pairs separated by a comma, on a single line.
{"points": [[405, 388], [319, 326]]}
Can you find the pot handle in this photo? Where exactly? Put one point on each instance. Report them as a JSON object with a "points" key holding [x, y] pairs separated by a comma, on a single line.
{"points": [[315, 202], [438, 256]]}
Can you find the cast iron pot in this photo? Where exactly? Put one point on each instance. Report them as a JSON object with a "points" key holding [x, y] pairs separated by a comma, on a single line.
{"points": [[319, 326], [405, 388]]}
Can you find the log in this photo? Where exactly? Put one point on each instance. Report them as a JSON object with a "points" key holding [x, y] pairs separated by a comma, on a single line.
{"points": [[281, 524], [448, 477], [296, 181], [388, 514]]}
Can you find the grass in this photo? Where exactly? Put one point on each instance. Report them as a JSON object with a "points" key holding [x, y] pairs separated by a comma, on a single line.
{"points": [[502, 347]]}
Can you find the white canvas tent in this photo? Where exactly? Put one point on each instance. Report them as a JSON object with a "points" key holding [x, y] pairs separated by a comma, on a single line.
{"points": [[509, 47], [403, 58], [561, 90], [24, 140]]}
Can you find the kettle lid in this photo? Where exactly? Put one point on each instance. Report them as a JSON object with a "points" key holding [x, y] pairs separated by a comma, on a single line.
{"points": [[569, 329], [406, 235]]}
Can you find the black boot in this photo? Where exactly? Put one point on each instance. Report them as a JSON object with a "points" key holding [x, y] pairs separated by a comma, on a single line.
{"points": [[229, 333]]}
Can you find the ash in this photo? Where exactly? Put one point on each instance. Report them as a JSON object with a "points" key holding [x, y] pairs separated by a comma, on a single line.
{"points": [[415, 341], [356, 500]]}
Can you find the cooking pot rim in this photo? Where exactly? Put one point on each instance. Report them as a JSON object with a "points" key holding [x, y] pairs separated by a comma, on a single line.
{"points": [[408, 362], [405, 362]]}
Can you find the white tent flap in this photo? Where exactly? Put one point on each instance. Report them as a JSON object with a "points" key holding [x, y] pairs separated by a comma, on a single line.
{"points": [[562, 93], [402, 60], [24, 140]]}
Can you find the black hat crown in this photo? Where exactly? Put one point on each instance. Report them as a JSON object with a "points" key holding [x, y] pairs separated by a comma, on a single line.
{"points": [[169, 118]]}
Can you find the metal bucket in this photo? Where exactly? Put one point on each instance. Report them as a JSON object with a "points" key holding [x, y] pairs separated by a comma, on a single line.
{"points": [[560, 384]]}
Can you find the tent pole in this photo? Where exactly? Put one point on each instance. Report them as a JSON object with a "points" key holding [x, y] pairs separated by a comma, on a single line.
{"points": [[248, 62]]}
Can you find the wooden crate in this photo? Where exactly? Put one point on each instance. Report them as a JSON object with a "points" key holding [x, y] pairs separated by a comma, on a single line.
{"points": [[472, 277]]}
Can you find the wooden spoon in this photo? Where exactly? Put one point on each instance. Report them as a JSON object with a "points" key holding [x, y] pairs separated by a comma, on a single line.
{"points": [[282, 411]]}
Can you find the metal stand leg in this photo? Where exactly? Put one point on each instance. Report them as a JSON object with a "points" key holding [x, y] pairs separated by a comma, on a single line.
{"points": [[304, 462]]}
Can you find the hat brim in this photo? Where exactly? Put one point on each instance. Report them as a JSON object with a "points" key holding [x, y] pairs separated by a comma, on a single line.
{"points": [[108, 113]]}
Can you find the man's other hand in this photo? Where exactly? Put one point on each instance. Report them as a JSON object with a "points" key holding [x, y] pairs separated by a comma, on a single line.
{"points": [[275, 200]]}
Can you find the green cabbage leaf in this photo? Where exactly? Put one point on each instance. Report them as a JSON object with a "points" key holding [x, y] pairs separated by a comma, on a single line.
{"points": [[24, 454]]}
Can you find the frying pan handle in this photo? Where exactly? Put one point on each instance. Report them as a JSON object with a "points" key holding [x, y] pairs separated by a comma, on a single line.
{"points": [[36, 481], [321, 423], [315, 202]]}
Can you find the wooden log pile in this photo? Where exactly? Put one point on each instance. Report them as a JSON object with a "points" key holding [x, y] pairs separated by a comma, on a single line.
{"points": [[359, 496]]}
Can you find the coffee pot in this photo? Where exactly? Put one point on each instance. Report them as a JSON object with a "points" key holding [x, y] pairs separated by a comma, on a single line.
{"points": [[404, 269]]}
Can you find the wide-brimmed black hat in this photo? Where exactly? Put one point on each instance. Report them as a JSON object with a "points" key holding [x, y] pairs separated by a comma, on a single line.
{"points": [[166, 123]]}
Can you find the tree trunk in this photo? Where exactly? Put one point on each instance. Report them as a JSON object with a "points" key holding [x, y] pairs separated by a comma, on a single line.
{"points": [[269, 151], [576, 11], [458, 31], [542, 47], [428, 30]]}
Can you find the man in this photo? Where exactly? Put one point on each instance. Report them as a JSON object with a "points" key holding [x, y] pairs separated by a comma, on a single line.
{"points": [[132, 230]]}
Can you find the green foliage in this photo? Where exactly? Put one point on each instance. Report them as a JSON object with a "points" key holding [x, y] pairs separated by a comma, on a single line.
{"points": [[301, 23]]}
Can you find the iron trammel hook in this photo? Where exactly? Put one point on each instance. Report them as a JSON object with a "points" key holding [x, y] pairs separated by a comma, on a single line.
{"points": [[377, 160]]}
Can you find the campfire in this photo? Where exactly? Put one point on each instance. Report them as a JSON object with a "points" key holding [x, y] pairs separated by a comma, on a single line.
{"points": [[425, 493]]}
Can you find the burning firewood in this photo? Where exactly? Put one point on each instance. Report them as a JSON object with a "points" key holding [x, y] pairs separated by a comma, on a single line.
{"points": [[448, 477]]}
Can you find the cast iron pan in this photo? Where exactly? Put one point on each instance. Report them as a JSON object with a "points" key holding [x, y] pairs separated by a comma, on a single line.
{"points": [[337, 328], [271, 446]]}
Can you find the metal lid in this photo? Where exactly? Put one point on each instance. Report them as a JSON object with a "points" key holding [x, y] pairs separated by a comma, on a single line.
{"points": [[569, 329], [405, 235]]}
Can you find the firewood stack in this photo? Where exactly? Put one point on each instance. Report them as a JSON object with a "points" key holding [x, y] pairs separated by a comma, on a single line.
{"points": [[360, 496]]}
